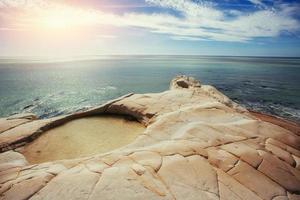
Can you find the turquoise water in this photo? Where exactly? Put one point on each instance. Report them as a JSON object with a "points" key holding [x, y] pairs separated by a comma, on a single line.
{"points": [[270, 85]]}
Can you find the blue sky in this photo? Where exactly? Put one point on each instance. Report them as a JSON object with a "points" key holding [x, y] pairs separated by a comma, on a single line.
{"points": [[198, 27]]}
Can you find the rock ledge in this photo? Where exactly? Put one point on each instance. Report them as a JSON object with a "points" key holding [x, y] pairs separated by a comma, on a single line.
{"points": [[197, 144]]}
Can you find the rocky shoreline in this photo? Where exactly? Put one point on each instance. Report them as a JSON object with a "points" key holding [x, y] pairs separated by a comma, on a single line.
{"points": [[197, 144]]}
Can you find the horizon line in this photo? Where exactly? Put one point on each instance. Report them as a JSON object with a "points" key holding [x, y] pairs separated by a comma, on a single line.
{"points": [[138, 55]]}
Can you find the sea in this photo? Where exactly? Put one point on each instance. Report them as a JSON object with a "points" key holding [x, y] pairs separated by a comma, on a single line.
{"points": [[49, 88]]}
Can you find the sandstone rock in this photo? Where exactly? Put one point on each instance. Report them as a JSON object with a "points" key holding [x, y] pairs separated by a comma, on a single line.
{"points": [[9, 124], [138, 169], [293, 196], [278, 133], [189, 178], [148, 158], [230, 189], [221, 159], [8, 175], [256, 181], [26, 188], [69, 185], [283, 146], [180, 82], [11, 159], [124, 183], [279, 172], [280, 153], [198, 144], [15, 120], [244, 152], [29, 116], [20, 133], [96, 166], [297, 160]]}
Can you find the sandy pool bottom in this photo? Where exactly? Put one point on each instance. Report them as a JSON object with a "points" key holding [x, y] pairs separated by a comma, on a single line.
{"points": [[83, 137]]}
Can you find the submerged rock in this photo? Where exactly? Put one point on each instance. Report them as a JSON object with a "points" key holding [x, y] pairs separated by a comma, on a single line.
{"points": [[198, 144]]}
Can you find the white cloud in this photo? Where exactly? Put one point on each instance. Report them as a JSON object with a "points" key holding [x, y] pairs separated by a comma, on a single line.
{"points": [[23, 3], [203, 21], [259, 2], [200, 9], [197, 21], [187, 38]]}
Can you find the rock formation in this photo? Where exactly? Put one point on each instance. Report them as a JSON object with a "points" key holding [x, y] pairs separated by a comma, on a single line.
{"points": [[198, 144]]}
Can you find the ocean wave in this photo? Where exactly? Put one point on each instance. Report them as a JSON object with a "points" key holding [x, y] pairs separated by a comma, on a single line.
{"points": [[276, 109], [66, 102], [111, 87]]}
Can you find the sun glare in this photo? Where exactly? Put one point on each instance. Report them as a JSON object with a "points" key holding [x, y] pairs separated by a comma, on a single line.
{"points": [[64, 17], [57, 22]]}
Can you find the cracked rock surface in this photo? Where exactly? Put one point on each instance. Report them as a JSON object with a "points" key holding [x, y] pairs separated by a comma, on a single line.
{"points": [[198, 144]]}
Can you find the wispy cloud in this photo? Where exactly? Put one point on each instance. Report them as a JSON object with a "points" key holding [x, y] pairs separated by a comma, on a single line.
{"points": [[206, 21], [258, 2], [193, 21]]}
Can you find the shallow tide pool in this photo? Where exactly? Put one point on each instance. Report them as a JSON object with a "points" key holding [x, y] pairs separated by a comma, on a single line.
{"points": [[83, 137]]}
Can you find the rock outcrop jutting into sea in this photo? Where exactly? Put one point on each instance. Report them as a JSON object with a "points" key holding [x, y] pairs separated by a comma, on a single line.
{"points": [[198, 144]]}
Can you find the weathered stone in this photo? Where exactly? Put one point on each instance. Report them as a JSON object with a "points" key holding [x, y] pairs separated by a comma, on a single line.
{"points": [[221, 159], [148, 158], [230, 189], [96, 166], [293, 196], [256, 181], [29, 116], [189, 178], [198, 144], [11, 159], [9, 124], [297, 160], [138, 169], [180, 82], [278, 133], [26, 188], [124, 183], [20, 133], [280, 153], [9, 174], [69, 185], [279, 172], [244, 152], [283, 146]]}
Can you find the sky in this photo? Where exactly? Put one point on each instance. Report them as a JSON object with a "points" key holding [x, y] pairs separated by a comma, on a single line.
{"points": [[64, 28]]}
